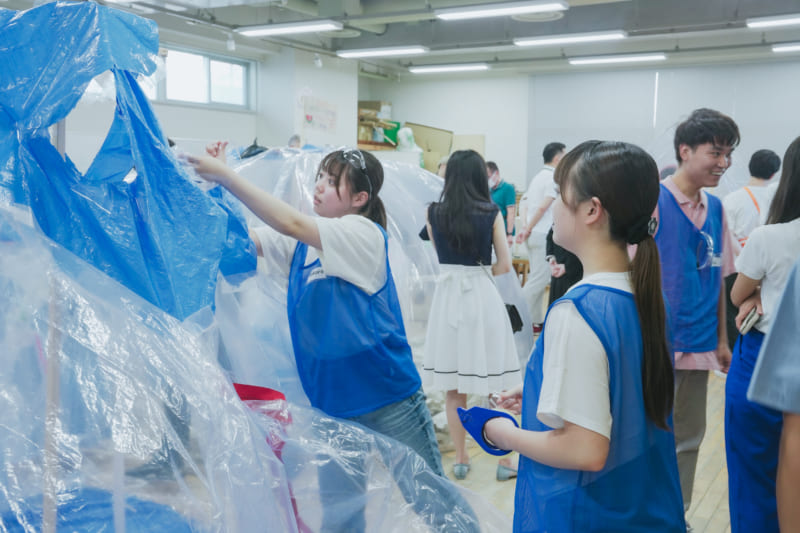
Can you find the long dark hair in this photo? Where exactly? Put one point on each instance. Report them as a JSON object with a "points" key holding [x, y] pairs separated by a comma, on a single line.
{"points": [[625, 180], [466, 188], [347, 164], [785, 205]]}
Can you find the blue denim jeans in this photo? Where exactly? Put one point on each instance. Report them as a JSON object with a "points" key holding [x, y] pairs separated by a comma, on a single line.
{"points": [[343, 486]]}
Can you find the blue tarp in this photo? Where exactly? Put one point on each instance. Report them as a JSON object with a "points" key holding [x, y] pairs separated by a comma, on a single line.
{"points": [[135, 214]]}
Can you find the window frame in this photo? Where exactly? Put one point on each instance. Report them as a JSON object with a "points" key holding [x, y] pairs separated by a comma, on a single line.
{"points": [[248, 86]]}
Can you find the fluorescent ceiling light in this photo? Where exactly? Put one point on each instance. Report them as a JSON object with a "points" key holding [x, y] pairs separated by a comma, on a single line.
{"points": [[571, 38], [774, 22], [142, 8], [603, 60], [309, 26], [789, 47], [464, 67], [383, 52], [174, 7], [505, 9]]}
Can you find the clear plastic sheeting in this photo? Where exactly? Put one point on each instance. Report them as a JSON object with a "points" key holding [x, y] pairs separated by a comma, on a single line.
{"points": [[113, 413], [114, 416], [134, 213], [348, 478]]}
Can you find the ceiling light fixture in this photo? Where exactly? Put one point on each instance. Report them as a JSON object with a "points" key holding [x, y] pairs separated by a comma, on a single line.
{"points": [[230, 44], [174, 7], [774, 22], [310, 26], [464, 67], [383, 52], [571, 38], [605, 60], [504, 9], [788, 47]]}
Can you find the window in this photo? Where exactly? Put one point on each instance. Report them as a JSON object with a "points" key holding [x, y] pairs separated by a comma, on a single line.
{"points": [[199, 78]]}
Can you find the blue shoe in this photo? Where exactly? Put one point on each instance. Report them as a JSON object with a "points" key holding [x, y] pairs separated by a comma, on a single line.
{"points": [[473, 420], [505, 473], [460, 470]]}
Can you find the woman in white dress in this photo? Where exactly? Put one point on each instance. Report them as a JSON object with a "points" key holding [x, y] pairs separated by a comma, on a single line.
{"points": [[469, 345]]}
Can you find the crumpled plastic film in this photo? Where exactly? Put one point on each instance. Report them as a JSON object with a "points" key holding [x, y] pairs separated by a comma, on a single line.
{"points": [[511, 292], [356, 472], [134, 214], [113, 410], [142, 423]]}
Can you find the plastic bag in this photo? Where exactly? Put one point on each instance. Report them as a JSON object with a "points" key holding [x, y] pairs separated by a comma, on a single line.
{"points": [[134, 214]]}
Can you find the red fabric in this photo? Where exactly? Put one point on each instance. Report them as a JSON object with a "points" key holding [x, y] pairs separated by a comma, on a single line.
{"points": [[253, 393]]}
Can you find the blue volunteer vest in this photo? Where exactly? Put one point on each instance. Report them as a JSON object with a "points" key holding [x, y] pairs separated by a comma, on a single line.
{"points": [[638, 490], [351, 349], [692, 294]]}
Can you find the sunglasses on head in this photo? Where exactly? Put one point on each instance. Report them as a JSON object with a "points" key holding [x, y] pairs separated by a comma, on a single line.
{"points": [[356, 158]]}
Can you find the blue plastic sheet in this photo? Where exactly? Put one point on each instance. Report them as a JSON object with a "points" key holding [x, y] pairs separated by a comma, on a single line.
{"points": [[91, 511], [135, 214]]}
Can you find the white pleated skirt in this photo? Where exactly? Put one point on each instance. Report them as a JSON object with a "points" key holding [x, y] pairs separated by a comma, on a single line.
{"points": [[469, 345]]}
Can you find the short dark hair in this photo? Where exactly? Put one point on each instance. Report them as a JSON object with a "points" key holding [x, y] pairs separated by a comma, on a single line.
{"points": [[552, 150], [492, 166], [764, 164], [706, 126]]}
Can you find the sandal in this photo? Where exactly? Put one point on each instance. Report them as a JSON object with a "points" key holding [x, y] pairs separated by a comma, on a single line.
{"points": [[505, 473], [473, 420], [460, 470]]}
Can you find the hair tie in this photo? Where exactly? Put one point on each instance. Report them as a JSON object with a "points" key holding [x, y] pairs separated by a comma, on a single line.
{"points": [[645, 227]]}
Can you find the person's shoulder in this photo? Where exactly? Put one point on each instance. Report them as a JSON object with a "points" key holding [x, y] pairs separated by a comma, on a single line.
{"points": [[733, 197], [361, 224]]}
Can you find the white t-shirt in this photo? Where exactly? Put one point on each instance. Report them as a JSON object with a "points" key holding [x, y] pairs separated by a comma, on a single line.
{"points": [[742, 213], [575, 366], [769, 255], [353, 249], [542, 186]]}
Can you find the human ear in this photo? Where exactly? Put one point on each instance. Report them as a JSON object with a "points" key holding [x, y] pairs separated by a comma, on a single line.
{"points": [[594, 210], [360, 198], [684, 150]]}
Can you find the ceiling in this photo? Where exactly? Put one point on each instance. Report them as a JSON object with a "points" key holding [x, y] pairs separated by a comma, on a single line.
{"points": [[689, 31]]}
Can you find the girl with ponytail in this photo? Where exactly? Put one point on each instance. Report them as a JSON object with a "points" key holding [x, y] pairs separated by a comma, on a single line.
{"points": [[596, 449], [344, 315]]}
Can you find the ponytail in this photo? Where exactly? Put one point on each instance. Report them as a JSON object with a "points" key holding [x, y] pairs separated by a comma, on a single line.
{"points": [[658, 380], [375, 211]]}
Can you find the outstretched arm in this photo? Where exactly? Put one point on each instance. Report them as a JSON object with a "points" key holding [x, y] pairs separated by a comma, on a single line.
{"points": [[281, 216]]}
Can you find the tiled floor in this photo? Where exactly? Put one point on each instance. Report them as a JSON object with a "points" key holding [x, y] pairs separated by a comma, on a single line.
{"points": [[709, 511]]}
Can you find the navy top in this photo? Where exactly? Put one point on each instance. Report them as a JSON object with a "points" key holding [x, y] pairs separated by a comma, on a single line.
{"points": [[482, 219]]}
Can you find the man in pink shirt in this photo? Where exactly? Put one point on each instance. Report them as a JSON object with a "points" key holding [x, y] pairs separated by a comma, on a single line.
{"points": [[696, 253]]}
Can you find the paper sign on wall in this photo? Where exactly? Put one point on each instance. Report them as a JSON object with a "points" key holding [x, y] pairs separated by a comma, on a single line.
{"points": [[319, 115]]}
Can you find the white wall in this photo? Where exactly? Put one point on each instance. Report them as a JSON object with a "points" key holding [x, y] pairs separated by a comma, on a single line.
{"points": [[644, 106], [495, 107], [288, 80]]}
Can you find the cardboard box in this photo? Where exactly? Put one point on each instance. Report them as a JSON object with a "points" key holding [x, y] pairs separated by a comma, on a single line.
{"points": [[382, 109], [435, 143], [469, 142]]}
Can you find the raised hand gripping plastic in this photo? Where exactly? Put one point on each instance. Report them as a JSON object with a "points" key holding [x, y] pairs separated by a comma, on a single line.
{"points": [[473, 420]]}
